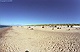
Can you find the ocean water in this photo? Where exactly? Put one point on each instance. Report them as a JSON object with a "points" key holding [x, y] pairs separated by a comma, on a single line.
{"points": [[1, 26]]}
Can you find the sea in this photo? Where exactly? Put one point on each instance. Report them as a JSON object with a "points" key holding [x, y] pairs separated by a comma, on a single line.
{"points": [[3, 26]]}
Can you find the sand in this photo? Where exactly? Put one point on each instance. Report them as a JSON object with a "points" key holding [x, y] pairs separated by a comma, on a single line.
{"points": [[21, 39], [3, 31]]}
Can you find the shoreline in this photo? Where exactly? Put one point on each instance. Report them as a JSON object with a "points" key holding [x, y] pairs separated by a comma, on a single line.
{"points": [[3, 31]]}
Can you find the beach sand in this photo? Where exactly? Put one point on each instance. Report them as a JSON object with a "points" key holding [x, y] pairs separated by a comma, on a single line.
{"points": [[21, 39]]}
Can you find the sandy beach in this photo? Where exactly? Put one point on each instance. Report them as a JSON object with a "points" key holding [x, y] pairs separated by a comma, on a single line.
{"points": [[24, 39]]}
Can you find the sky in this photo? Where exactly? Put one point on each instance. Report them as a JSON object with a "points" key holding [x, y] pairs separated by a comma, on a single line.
{"points": [[24, 12]]}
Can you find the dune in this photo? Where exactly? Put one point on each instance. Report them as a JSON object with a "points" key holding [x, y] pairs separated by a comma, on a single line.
{"points": [[20, 39]]}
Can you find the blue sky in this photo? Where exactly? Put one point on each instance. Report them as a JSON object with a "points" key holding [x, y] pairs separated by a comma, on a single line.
{"points": [[23, 12]]}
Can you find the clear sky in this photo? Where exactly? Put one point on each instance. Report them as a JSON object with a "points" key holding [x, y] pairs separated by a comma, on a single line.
{"points": [[23, 12]]}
